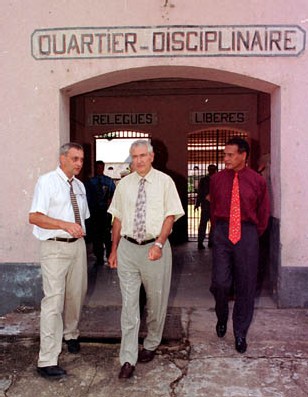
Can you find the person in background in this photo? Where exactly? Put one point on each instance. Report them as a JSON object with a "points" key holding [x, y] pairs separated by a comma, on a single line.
{"points": [[240, 209], [100, 190], [203, 201], [145, 206], [58, 212]]}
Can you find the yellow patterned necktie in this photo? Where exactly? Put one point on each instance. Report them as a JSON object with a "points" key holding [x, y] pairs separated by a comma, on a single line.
{"points": [[139, 231]]}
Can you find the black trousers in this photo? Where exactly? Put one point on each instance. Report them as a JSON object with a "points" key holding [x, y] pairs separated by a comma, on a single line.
{"points": [[235, 266], [204, 218], [101, 234]]}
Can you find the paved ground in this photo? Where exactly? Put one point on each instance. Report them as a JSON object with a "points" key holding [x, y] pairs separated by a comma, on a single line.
{"points": [[191, 361]]}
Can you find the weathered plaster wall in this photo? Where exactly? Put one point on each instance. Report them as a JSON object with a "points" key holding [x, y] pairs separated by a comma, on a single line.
{"points": [[35, 99]]}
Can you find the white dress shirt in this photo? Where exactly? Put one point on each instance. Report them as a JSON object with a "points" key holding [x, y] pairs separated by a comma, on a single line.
{"points": [[52, 198], [162, 200]]}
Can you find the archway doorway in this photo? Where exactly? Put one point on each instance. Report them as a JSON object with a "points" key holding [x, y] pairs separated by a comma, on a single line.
{"points": [[169, 103], [165, 109]]}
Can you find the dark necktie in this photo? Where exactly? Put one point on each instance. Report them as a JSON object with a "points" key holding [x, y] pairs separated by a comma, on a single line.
{"points": [[74, 203], [139, 231], [235, 212]]}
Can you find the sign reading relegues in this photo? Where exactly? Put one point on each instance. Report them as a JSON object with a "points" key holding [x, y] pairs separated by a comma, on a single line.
{"points": [[97, 119], [168, 41]]}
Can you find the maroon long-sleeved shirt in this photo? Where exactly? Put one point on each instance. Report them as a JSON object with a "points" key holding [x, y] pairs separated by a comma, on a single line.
{"points": [[254, 197]]}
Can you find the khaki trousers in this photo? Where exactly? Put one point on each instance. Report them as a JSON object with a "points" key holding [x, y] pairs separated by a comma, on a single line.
{"points": [[134, 268], [64, 274]]}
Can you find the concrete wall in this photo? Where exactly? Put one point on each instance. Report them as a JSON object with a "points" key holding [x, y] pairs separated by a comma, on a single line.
{"points": [[35, 102]]}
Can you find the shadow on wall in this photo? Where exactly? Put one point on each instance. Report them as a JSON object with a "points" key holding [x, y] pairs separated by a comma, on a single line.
{"points": [[179, 234]]}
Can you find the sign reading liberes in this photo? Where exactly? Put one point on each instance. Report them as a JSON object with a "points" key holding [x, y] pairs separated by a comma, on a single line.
{"points": [[218, 117], [168, 41]]}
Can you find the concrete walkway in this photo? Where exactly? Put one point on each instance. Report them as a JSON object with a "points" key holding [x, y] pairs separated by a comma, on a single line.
{"points": [[191, 361]]}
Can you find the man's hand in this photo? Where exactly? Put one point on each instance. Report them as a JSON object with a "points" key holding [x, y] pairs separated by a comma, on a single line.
{"points": [[46, 222], [74, 229], [113, 260], [154, 253]]}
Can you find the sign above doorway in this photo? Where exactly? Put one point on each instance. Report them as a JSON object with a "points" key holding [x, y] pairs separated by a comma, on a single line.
{"points": [[168, 41]]}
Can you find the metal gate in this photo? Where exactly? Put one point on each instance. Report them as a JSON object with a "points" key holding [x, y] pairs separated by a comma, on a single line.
{"points": [[204, 148]]}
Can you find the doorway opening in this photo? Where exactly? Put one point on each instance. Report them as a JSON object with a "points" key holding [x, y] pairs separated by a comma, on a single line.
{"points": [[170, 96], [204, 148], [113, 149]]}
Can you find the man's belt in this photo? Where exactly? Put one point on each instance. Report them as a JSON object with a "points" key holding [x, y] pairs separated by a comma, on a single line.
{"points": [[63, 239], [144, 242]]}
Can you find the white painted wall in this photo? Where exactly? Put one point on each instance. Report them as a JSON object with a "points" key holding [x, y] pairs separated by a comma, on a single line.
{"points": [[35, 98]]}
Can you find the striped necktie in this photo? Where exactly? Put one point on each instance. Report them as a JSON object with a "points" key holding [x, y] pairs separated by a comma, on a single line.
{"points": [[235, 212], [74, 203], [139, 231]]}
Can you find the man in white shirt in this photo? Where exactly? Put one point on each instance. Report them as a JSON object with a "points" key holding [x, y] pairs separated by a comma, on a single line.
{"points": [[148, 261], [60, 227]]}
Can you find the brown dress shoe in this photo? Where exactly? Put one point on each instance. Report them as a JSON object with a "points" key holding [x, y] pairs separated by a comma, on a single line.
{"points": [[146, 356], [127, 371]]}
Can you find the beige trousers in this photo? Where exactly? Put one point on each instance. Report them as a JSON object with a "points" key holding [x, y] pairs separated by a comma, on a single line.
{"points": [[64, 274], [134, 268]]}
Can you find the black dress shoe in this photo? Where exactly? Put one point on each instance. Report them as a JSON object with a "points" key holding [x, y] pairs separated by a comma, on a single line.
{"points": [[73, 346], [146, 356], [51, 372], [221, 329], [127, 371], [240, 344]]}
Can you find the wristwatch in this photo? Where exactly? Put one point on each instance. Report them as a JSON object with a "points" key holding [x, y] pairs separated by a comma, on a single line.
{"points": [[158, 244]]}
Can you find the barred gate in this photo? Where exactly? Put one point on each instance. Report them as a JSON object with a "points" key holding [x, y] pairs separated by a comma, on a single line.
{"points": [[204, 148]]}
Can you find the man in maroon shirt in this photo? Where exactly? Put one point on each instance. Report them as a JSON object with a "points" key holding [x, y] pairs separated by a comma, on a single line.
{"points": [[236, 264]]}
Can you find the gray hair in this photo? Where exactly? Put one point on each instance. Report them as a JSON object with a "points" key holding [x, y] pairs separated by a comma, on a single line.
{"points": [[141, 142], [70, 145]]}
